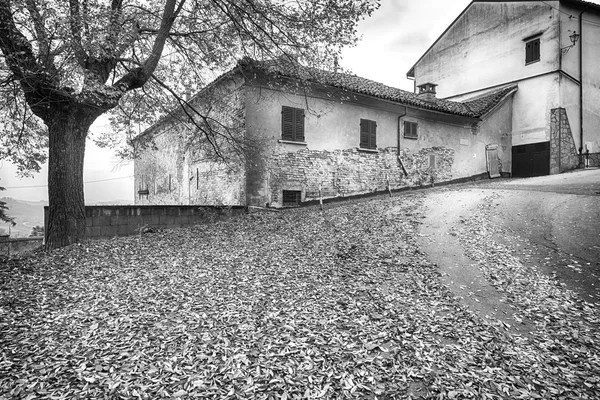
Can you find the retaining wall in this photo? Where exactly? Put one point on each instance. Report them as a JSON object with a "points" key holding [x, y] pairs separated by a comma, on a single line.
{"points": [[109, 221]]}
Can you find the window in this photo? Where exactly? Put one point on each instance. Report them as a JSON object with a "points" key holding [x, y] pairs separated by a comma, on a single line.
{"points": [[410, 130], [291, 198], [368, 134], [292, 124], [532, 51]]}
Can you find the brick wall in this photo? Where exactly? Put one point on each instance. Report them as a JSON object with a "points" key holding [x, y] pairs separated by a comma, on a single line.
{"points": [[351, 172], [109, 221]]}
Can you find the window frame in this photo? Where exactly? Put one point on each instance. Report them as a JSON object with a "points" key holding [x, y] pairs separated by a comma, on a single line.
{"points": [[292, 124], [416, 128], [532, 50], [368, 134]]}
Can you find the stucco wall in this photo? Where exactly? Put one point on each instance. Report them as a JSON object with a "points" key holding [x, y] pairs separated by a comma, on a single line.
{"points": [[485, 47], [331, 158], [590, 42], [329, 125]]}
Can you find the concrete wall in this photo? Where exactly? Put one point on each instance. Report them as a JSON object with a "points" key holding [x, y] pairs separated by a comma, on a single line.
{"points": [[109, 221]]}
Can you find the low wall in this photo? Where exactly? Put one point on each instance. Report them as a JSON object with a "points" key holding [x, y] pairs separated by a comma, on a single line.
{"points": [[109, 221], [14, 246]]}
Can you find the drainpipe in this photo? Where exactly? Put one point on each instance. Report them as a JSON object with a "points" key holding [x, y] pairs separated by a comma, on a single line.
{"points": [[581, 81], [400, 134]]}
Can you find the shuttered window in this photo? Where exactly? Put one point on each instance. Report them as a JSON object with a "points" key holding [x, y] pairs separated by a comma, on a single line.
{"points": [[410, 130], [368, 134], [532, 51], [292, 124]]}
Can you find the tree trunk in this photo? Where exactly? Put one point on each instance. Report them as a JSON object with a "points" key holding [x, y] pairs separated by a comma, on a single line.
{"points": [[67, 130]]}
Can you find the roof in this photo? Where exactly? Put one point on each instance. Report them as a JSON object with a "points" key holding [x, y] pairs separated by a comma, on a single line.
{"points": [[578, 3], [356, 84], [486, 102], [474, 108]]}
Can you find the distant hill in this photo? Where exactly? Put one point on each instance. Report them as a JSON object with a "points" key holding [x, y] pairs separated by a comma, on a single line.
{"points": [[28, 214]]}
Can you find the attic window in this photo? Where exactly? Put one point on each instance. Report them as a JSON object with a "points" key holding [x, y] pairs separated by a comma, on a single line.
{"points": [[532, 51], [291, 198]]}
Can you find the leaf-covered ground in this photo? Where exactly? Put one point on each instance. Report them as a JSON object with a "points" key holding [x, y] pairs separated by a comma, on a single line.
{"points": [[299, 304]]}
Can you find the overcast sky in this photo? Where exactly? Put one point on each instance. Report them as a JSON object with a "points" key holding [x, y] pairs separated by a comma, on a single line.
{"points": [[393, 39]]}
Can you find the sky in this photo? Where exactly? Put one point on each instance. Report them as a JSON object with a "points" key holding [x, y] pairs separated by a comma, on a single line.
{"points": [[393, 39]]}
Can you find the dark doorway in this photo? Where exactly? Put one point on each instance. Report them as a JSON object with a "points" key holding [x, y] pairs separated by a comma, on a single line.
{"points": [[531, 160]]}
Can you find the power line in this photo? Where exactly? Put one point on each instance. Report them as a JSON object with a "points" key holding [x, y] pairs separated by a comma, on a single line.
{"points": [[41, 186]]}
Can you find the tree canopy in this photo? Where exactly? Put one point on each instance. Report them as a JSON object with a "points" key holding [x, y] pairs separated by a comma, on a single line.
{"points": [[64, 63], [96, 53]]}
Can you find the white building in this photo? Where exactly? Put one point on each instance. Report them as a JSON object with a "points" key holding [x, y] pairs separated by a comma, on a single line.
{"points": [[551, 49]]}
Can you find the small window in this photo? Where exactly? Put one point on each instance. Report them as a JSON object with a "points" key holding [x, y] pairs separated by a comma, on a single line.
{"points": [[532, 51], [291, 198], [410, 130], [292, 124], [368, 134], [432, 161]]}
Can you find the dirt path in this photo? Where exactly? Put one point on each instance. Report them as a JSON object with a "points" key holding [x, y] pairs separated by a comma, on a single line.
{"points": [[446, 209]]}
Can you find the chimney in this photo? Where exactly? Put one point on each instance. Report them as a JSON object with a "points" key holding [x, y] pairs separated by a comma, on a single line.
{"points": [[427, 92]]}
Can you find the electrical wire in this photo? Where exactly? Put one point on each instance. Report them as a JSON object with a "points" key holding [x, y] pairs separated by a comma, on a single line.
{"points": [[41, 186]]}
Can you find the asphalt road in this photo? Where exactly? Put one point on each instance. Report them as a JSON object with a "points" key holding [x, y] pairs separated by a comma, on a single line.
{"points": [[559, 216], [550, 222]]}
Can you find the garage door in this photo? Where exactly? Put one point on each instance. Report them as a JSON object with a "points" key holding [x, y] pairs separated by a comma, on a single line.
{"points": [[531, 160]]}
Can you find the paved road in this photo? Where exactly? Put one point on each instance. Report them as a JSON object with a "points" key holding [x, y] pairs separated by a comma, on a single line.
{"points": [[556, 220], [560, 214]]}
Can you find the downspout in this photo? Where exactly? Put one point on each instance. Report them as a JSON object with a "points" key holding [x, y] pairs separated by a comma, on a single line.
{"points": [[581, 81], [399, 151]]}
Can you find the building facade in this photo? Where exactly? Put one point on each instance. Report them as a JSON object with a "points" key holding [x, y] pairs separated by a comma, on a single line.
{"points": [[551, 50], [309, 134]]}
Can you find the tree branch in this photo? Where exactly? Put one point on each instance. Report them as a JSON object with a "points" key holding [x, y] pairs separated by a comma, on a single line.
{"points": [[76, 28], [22, 62], [137, 77]]}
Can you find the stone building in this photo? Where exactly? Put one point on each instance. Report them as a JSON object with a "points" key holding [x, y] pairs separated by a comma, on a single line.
{"points": [[289, 134], [550, 50]]}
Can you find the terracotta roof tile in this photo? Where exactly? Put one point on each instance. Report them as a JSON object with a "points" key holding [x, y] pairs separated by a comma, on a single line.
{"points": [[356, 84], [484, 103]]}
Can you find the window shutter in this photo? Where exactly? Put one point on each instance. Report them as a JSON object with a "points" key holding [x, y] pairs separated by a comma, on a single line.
{"points": [[372, 135], [299, 125], [364, 133], [287, 123], [536, 50]]}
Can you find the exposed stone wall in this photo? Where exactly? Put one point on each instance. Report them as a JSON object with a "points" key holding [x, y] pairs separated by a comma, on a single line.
{"points": [[183, 163], [217, 184], [351, 172], [563, 152]]}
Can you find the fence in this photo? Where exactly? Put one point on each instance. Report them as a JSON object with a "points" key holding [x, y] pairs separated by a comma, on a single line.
{"points": [[589, 160]]}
